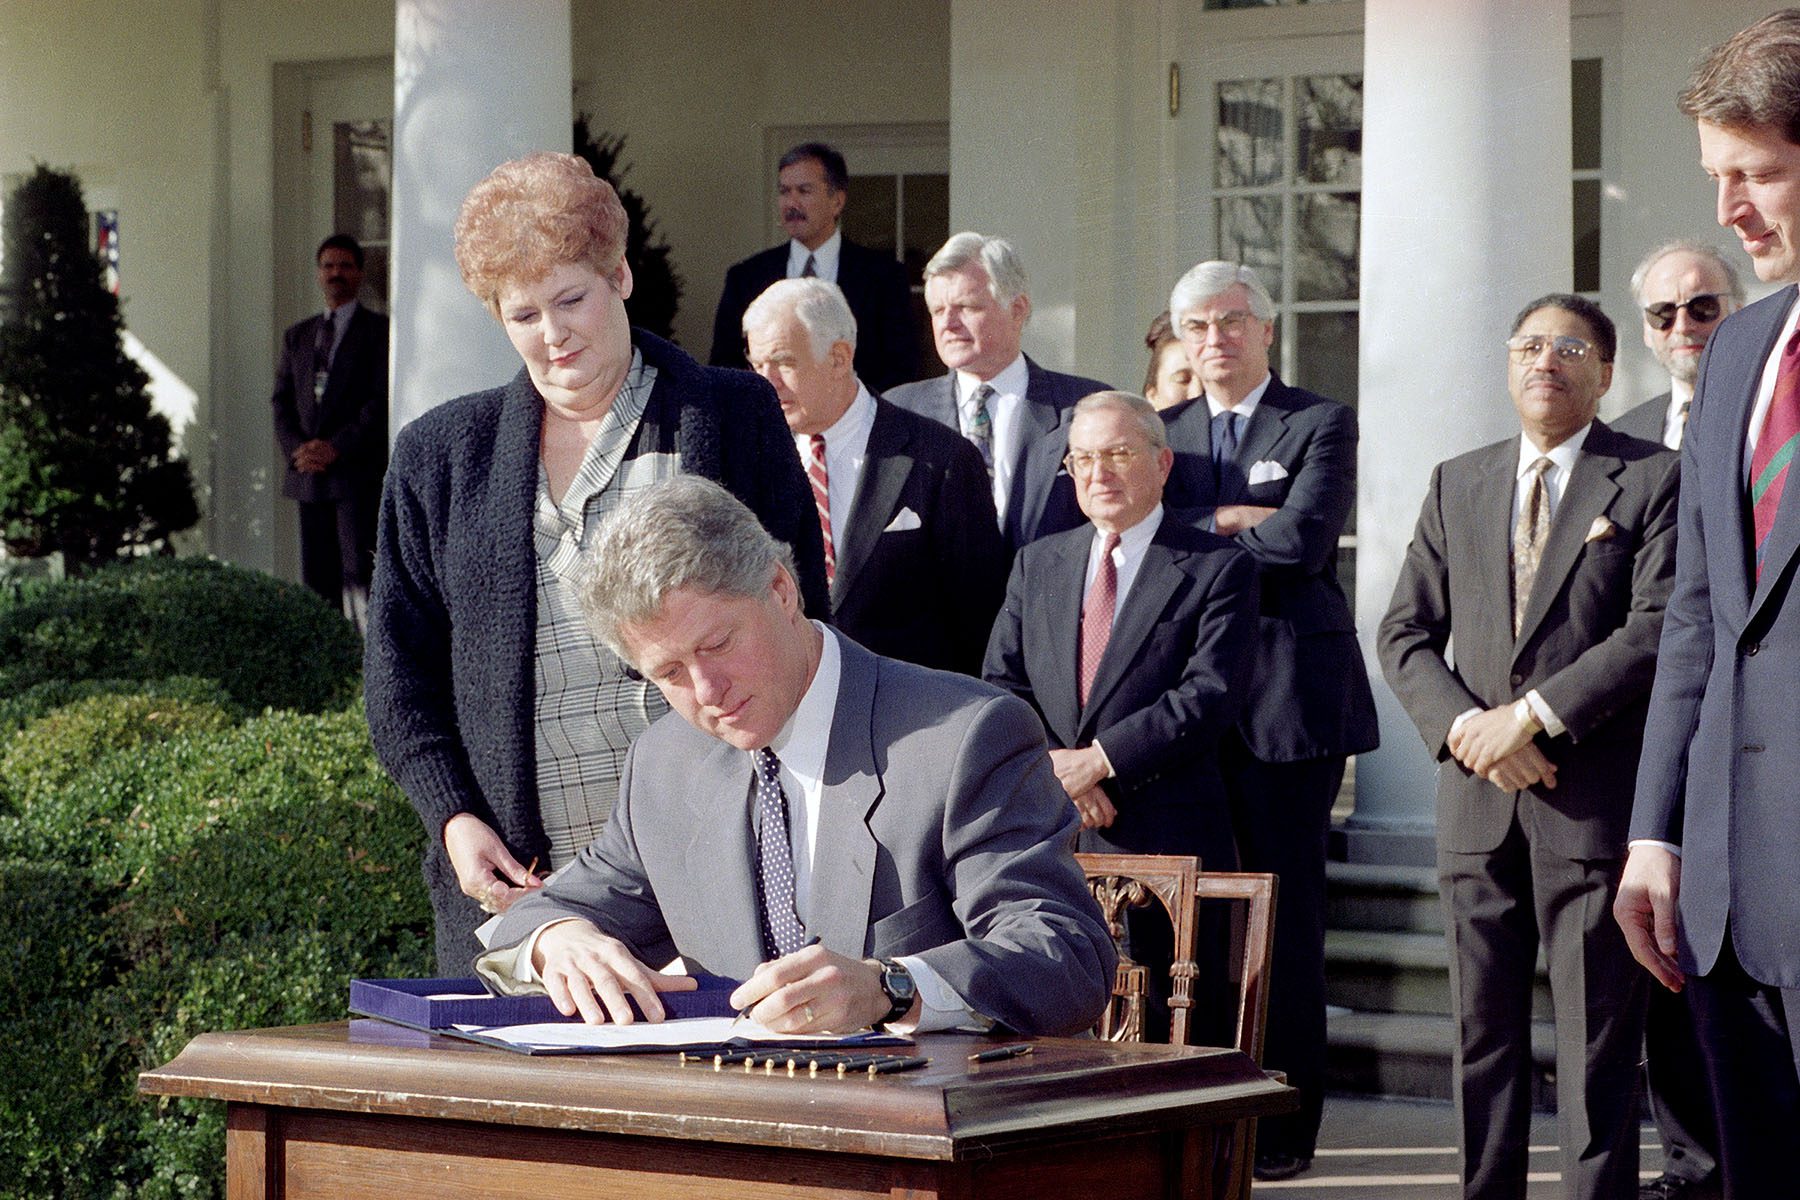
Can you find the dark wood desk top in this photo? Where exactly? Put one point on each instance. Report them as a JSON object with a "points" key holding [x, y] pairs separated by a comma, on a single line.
{"points": [[952, 1110]]}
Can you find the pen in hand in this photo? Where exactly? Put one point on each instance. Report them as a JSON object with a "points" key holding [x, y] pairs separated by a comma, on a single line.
{"points": [[744, 1012]]}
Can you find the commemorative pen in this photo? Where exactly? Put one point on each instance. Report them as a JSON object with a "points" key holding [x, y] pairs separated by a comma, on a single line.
{"points": [[999, 1053]]}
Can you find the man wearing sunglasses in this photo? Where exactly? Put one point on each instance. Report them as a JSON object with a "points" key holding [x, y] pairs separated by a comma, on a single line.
{"points": [[1521, 641], [1683, 289]]}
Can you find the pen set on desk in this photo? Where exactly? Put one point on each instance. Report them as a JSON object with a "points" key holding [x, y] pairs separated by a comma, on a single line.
{"points": [[813, 1064]]}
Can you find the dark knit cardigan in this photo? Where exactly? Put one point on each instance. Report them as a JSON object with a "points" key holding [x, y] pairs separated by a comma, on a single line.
{"points": [[448, 668]]}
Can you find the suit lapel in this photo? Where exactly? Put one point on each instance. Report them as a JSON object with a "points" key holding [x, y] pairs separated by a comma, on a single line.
{"points": [[1261, 432], [721, 849], [843, 876], [1156, 581], [1054, 622], [1490, 510], [886, 465], [1784, 537], [1593, 484]]}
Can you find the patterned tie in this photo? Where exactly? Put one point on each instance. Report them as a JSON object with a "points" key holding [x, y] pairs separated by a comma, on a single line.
{"points": [[1775, 448], [821, 490], [1529, 533], [1097, 617], [782, 931], [811, 269], [1224, 450], [981, 427]]}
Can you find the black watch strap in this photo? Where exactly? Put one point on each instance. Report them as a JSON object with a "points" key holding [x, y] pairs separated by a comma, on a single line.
{"points": [[897, 983]]}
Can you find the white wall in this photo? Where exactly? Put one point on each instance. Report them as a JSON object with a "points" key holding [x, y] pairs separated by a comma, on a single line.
{"points": [[693, 93]]}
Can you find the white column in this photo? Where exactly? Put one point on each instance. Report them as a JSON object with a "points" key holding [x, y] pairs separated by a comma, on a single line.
{"points": [[475, 83], [1466, 217]]}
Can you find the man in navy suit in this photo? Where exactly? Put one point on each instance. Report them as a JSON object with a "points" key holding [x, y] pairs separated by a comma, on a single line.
{"points": [[1132, 636], [1708, 900], [813, 186], [976, 293], [1274, 467], [912, 554], [330, 406]]}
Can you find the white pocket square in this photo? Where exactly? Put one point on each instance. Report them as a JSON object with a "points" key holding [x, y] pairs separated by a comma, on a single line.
{"points": [[903, 520], [1266, 471], [1600, 530]]}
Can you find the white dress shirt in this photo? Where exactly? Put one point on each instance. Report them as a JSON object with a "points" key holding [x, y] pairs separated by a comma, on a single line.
{"points": [[1245, 408], [1674, 424], [1003, 411], [825, 258], [846, 449]]}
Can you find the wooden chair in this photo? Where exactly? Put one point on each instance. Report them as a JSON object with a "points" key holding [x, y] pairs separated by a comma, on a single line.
{"points": [[1121, 882]]}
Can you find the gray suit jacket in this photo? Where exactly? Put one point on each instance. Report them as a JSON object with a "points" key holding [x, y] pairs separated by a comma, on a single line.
{"points": [[1587, 644], [1645, 420], [943, 834]]}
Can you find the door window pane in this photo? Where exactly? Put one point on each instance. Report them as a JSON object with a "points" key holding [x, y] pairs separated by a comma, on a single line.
{"points": [[1329, 119], [1250, 233], [1249, 138], [1585, 113], [1587, 235], [1325, 246]]}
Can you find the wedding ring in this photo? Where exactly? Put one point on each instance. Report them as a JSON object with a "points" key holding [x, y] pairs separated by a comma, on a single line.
{"points": [[807, 1009]]}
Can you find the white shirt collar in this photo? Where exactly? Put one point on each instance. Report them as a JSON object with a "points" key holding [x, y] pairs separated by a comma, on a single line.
{"points": [[852, 423], [803, 741], [347, 308], [1128, 555], [1563, 457], [1247, 405], [825, 258], [1010, 380]]}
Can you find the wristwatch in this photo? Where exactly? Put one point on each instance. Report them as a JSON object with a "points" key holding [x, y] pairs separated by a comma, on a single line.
{"points": [[897, 983]]}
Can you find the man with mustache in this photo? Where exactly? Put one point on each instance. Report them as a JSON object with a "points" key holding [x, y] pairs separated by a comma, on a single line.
{"points": [[1521, 641], [813, 187]]}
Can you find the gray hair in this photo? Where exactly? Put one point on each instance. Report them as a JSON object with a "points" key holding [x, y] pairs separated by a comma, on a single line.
{"points": [[817, 304], [1131, 404], [995, 255], [1205, 280], [685, 532], [1733, 284]]}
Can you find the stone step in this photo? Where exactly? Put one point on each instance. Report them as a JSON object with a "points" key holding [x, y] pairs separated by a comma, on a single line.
{"points": [[1379, 971], [1371, 896], [1392, 1054]]}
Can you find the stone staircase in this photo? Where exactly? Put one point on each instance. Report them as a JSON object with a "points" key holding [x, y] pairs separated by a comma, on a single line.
{"points": [[1387, 979]]}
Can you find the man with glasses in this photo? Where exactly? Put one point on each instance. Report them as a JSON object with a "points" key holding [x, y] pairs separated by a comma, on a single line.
{"points": [[1131, 636], [1274, 468], [1684, 289], [1525, 660]]}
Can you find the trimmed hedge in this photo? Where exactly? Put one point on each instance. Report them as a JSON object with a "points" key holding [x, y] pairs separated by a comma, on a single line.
{"points": [[208, 878], [267, 644]]}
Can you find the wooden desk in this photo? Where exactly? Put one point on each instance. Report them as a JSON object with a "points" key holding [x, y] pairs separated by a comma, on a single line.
{"points": [[369, 1111]]}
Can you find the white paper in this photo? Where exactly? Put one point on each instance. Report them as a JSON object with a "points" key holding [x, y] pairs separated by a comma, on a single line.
{"points": [[677, 1032]]}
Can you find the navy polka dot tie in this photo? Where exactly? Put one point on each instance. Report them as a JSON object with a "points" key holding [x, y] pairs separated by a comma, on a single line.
{"points": [[782, 931]]}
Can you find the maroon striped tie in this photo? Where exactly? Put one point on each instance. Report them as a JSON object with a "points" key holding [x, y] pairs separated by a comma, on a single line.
{"points": [[1097, 617], [1775, 447], [821, 490]]}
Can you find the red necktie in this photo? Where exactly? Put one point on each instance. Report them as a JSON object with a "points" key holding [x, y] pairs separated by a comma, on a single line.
{"points": [[1097, 617], [1775, 448], [821, 490]]}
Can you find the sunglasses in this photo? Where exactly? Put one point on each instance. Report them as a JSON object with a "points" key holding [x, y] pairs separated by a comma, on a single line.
{"points": [[1703, 310]]}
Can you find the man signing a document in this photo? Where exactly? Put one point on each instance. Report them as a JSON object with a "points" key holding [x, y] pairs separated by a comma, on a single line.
{"points": [[863, 841]]}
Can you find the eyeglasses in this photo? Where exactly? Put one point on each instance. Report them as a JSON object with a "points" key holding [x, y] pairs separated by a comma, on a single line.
{"points": [[1702, 310], [1527, 347], [1116, 458], [1228, 324]]}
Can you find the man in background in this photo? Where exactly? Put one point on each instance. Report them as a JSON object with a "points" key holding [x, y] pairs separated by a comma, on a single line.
{"points": [[812, 188], [330, 406], [1683, 290], [912, 554]]}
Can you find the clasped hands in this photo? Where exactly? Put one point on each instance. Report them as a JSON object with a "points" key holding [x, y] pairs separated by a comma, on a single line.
{"points": [[812, 990], [1498, 747], [1081, 772], [314, 456]]}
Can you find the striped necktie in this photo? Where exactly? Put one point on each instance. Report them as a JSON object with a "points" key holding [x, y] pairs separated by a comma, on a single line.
{"points": [[820, 478], [1775, 448]]}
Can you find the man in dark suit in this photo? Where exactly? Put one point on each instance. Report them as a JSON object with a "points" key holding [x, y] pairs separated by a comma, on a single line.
{"points": [[1131, 636], [976, 293], [330, 406], [1683, 290], [1708, 901], [1537, 723], [912, 553], [862, 840], [1274, 468], [812, 188]]}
